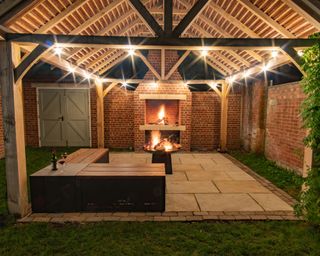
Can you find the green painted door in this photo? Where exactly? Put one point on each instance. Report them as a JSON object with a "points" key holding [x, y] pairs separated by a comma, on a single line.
{"points": [[64, 117]]}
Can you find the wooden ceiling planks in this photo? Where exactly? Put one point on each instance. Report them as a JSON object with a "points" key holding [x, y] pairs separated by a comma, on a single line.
{"points": [[220, 18]]}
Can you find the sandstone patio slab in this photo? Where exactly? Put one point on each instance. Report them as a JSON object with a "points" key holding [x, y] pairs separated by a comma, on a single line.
{"points": [[181, 202], [271, 202], [207, 175], [227, 202], [177, 176], [191, 187], [241, 186], [186, 167]]}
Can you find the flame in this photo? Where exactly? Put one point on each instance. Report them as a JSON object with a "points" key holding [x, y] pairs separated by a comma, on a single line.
{"points": [[155, 138], [168, 146], [162, 114]]}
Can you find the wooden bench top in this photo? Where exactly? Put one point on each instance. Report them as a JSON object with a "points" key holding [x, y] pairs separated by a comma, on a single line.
{"points": [[86, 155], [117, 170]]}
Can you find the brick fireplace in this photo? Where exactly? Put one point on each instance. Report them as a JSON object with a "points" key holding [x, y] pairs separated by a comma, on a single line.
{"points": [[175, 98]]}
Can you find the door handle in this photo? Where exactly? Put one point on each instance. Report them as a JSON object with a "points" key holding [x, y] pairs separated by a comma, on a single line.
{"points": [[61, 118]]}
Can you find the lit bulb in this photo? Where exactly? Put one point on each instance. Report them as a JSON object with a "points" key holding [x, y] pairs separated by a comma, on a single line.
{"points": [[231, 79], [154, 84], [300, 53], [87, 76], [274, 54], [125, 85], [245, 74], [215, 85], [71, 69], [204, 53], [265, 67], [58, 51], [131, 52]]}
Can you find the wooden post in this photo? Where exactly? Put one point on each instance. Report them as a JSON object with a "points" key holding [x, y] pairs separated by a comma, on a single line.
{"points": [[13, 122], [100, 113], [224, 117]]}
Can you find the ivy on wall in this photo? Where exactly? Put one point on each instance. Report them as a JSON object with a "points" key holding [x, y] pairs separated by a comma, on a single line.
{"points": [[309, 200]]}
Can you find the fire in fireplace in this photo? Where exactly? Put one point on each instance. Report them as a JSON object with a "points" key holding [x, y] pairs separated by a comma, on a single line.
{"points": [[162, 112], [162, 141]]}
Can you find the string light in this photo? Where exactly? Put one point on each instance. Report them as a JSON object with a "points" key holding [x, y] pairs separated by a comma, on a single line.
{"points": [[71, 69], [246, 74], [204, 53], [300, 53], [131, 52], [265, 67], [231, 79], [58, 51], [274, 54], [154, 84], [87, 76], [215, 85]]}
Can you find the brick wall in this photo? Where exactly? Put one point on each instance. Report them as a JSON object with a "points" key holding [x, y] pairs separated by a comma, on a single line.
{"points": [[1, 130], [93, 105], [30, 115], [284, 135], [205, 121], [233, 126], [119, 117]]}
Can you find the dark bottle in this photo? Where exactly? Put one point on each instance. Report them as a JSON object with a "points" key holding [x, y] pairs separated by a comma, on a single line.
{"points": [[54, 161]]}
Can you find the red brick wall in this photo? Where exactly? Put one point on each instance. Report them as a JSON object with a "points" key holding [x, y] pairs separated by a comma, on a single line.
{"points": [[205, 121], [1, 130], [119, 117], [30, 115], [284, 135], [233, 127]]}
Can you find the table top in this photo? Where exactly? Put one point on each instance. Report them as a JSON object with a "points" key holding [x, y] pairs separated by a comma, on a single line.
{"points": [[86, 155]]}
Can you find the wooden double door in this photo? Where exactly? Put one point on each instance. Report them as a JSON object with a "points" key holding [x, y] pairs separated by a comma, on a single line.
{"points": [[64, 117]]}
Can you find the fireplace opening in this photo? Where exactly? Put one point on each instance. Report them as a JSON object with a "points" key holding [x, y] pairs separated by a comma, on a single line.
{"points": [[162, 112], [162, 140]]}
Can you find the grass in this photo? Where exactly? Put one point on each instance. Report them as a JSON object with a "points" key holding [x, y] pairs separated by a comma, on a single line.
{"points": [[118, 238], [285, 179], [152, 238]]}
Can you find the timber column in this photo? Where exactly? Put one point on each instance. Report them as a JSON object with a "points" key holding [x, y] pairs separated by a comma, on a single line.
{"points": [[13, 124]]}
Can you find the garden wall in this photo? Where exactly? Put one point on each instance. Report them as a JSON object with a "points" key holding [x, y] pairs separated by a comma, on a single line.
{"points": [[278, 132]]}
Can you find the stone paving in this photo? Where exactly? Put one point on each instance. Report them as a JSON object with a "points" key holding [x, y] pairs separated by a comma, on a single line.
{"points": [[203, 186]]}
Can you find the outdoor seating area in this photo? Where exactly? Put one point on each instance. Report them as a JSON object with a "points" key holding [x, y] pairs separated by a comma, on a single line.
{"points": [[203, 114], [203, 186]]}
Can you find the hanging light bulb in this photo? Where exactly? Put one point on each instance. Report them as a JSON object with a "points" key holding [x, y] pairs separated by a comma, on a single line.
{"points": [[265, 67], [274, 54], [87, 76], [246, 74], [300, 53], [131, 52], [204, 53], [71, 69], [58, 51]]}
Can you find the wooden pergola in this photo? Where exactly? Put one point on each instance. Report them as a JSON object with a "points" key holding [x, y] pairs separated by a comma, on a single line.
{"points": [[96, 35]]}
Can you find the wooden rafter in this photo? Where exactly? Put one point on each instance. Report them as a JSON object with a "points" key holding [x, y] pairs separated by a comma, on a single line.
{"points": [[51, 23], [104, 31], [266, 18], [168, 17], [113, 60], [116, 61], [187, 20], [145, 15], [161, 43], [27, 63], [18, 10], [231, 19], [310, 14]]}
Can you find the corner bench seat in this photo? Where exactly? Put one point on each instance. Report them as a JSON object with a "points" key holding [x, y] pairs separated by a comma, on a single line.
{"points": [[92, 187]]}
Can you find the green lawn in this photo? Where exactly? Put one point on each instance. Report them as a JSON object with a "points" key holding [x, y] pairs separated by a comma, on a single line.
{"points": [[152, 238], [285, 179]]}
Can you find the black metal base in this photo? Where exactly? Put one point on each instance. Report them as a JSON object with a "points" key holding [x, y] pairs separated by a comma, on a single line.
{"points": [[163, 157]]}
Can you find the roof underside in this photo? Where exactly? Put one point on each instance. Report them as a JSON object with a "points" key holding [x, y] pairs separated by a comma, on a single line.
{"points": [[218, 19]]}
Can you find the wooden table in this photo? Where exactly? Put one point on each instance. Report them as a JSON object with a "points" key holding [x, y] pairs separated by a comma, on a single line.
{"points": [[90, 187]]}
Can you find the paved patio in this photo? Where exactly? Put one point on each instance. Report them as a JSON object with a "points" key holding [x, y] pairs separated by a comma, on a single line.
{"points": [[203, 186]]}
